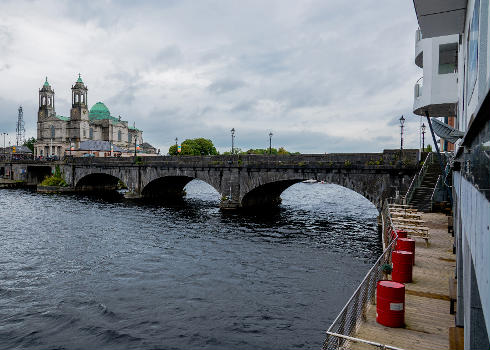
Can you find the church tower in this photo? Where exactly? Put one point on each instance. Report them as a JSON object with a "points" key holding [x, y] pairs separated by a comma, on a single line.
{"points": [[79, 109], [46, 102]]}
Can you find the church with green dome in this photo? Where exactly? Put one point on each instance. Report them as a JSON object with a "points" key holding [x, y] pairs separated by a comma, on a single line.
{"points": [[57, 134]]}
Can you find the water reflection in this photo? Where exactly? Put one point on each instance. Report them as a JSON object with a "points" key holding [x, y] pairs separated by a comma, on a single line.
{"points": [[81, 272]]}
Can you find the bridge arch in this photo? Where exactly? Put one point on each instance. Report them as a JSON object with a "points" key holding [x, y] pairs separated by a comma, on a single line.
{"points": [[98, 182], [266, 191], [170, 185]]}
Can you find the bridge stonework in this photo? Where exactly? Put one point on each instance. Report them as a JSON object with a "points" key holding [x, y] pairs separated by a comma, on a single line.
{"points": [[242, 180], [246, 180]]}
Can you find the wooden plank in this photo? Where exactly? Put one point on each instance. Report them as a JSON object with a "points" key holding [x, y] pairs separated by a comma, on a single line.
{"points": [[427, 299]]}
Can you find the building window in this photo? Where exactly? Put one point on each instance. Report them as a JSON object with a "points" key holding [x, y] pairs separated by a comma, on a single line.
{"points": [[473, 49], [52, 132], [448, 58], [91, 133], [129, 138], [84, 133], [119, 135]]}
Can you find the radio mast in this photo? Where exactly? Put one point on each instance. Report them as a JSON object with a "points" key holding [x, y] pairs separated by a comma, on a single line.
{"points": [[20, 130]]}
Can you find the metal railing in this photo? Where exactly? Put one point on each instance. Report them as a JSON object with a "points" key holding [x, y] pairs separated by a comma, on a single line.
{"points": [[419, 85], [433, 193], [418, 178], [418, 35], [339, 334]]}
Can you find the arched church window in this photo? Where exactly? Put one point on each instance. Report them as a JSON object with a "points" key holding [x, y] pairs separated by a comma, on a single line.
{"points": [[119, 136], [82, 98], [43, 101], [76, 98], [91, 133], [52, 131], [49, 101], [129, 138]]}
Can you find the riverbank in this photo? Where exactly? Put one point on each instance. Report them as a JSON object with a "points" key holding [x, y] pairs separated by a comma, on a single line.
{"points": [[7, 183], [427, 301]]}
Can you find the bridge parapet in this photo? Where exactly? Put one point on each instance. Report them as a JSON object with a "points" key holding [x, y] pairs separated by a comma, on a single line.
{"points": [[389, 159]]}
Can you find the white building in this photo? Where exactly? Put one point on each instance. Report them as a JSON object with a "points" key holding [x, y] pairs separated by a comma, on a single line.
{"points": [[459, 85], [57, 134]]}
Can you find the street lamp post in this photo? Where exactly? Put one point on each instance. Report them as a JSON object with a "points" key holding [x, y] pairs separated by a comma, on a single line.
{"points": [[402, 121], [423, 136], [177, 145], [270, 143], [4, 133], [135, 140], [233, 141]]}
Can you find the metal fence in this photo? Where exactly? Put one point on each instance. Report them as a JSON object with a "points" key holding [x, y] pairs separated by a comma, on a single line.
{"points": [[339, 335]]}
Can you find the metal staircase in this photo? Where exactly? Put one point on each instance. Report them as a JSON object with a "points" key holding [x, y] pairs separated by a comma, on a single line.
{"points": [[422, 195], [421, 189]]}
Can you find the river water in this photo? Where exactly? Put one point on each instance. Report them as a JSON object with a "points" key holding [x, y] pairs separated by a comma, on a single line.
{"points": [[78, 272]]}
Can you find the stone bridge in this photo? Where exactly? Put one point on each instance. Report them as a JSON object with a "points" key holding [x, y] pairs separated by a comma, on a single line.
{"points": [[243, 181]]}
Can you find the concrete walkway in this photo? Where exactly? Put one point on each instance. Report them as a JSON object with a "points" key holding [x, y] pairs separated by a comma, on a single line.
{"points": [[427, 316]]}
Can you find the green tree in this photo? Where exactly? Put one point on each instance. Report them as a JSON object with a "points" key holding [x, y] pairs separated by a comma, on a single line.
{"points": [[428, 148], [282, 150], [29, 143], [195, 147]]}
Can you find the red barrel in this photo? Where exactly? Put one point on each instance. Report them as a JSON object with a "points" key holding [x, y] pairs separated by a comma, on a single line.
{"points": [[401, 233], [406, 244], [402, 266], [390, 303]]}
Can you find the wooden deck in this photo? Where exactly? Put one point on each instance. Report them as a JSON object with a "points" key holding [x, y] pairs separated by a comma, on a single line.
{"points": [[427, 304]]}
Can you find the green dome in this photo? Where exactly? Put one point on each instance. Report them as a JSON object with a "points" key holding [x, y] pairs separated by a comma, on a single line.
{"points": [[99, 111]]}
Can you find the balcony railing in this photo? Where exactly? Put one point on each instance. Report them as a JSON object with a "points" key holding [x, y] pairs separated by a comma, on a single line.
{"points": [[418, 35], [419, 85]]}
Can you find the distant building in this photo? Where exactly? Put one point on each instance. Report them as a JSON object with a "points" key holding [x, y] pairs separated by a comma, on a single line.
{"points": [[146, 148], [57, 134]]}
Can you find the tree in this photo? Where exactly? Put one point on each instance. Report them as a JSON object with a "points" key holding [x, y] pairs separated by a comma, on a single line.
{"points": [[195, 147], [428, 148], [29, 143]]}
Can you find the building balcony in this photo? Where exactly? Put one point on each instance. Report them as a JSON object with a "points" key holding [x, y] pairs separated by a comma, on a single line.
{"points": [[438, 95], [419, 52], [440, 17]]}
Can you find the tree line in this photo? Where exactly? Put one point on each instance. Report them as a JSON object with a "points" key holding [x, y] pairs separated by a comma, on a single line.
{"points": [[205, 147]]}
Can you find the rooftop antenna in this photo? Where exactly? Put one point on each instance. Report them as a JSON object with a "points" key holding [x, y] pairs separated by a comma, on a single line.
{"points": [[20, 130]]}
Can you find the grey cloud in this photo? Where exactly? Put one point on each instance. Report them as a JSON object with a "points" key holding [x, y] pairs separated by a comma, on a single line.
{"points": [[225, 85], [244, 106], [169, 55], [301, 55]]}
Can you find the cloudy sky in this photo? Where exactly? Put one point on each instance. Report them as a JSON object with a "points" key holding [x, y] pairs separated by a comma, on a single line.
{"points": [[323, 76]]}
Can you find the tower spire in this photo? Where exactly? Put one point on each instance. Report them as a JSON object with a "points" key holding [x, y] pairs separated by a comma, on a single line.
{"points": [[20, 130]]}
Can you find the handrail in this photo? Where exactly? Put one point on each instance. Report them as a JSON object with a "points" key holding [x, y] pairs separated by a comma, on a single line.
{"points": [[433, 192], [418, 35], [359, 340], [350, 317], [417, 179]]}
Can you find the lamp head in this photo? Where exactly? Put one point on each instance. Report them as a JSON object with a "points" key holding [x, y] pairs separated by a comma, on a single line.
{"points": [[402, 120], [423, 127]]}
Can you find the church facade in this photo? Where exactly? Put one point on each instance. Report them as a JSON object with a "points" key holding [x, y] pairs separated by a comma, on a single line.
{"points": [[57, 134]]}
